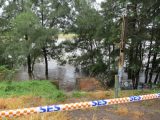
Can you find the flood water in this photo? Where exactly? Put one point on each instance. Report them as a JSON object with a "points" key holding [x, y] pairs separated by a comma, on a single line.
{"points": [[65, 75]]}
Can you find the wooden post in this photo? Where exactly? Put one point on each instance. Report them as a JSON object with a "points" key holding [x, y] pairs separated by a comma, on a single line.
{"points": [[118, 78], [116, 87], [122, 48]]}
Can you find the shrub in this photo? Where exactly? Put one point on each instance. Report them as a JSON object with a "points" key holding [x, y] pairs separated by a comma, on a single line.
{"points": [[107, 79], [158, 85], [6, 74]]}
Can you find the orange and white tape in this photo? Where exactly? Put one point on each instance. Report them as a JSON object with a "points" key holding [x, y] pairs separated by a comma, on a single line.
{"points": [[17, 113], [74, 106]]}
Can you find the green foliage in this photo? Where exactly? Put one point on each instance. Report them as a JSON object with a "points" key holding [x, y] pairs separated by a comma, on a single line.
{"points": [[87, 27], [25, 23], [158, 85], [78, 94], [6, 74], [97, 68], [44, 36], [107, 79], [31, 28], [41, 88]]}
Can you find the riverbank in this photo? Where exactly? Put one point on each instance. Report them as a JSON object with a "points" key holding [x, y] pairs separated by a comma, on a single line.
{"points": [[38, 88], [15, 95]]}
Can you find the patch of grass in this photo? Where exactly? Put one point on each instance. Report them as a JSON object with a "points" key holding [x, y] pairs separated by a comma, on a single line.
{"points": [[126, 93], [148, 103], [122, 111], [78, 94], [100, 95], [37, 88], [46, 116], [157, 111], [137, 115], [31, 101]]}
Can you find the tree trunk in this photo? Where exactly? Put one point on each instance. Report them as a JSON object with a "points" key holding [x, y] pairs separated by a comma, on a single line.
{"points": [[142, 54], [44, 48], [130, 62], [91, 51], [133, 80], [114, 61], [29, 64], [109, 52], [46, 62], [138, 65], [137, 79], [131, 74], [147, 67], [153, 67], [157, 75], [33, 63]]}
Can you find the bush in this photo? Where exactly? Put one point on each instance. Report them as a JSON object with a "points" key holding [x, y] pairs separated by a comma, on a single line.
{"points": [[107, 79], [6, 74]]}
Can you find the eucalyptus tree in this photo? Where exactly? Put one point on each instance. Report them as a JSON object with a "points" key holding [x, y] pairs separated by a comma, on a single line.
{"points": [[53, 15], [155, 51], [87, 25], [143, 30], [24, 25], [8, 11], [140, 31], [111, 12], [2, 44]]}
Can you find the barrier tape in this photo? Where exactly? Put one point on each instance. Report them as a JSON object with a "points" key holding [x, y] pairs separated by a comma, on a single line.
{"points": [[74, 106]]}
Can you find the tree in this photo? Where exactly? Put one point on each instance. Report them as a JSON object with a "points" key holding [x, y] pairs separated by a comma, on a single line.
{"points": [[52, 15], [24, 26]]}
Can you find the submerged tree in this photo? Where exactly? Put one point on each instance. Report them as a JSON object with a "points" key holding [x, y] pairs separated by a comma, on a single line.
{"points": [[52, 15]]}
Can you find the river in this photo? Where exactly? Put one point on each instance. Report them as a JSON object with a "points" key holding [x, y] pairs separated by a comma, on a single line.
{"points": [[65, 75]]}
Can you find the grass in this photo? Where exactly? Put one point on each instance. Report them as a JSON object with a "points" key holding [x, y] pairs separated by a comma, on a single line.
{"points": [[29, 101], [110, 94], [123, 111], [78, 94], [46, 116], [100, 95], [36, 88], [40, 93], [126, 93], [25, 94]]}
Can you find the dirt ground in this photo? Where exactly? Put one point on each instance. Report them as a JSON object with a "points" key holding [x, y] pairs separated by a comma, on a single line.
{"points": [[145, 110]]}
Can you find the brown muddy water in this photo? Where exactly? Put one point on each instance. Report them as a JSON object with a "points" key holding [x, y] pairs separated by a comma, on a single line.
{"points": [[66, 75]]}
